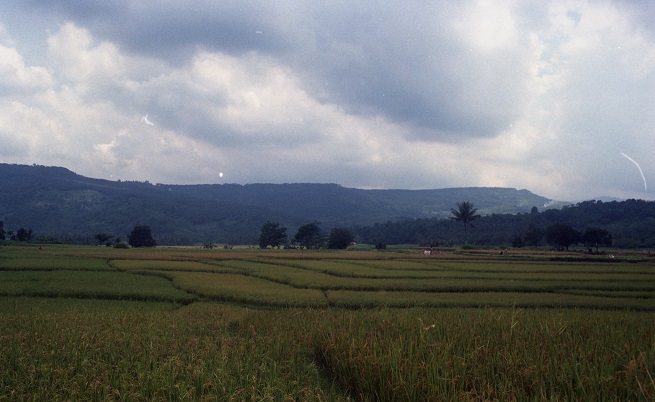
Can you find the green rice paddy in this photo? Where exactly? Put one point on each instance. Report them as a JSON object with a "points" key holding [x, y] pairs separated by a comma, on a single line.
{"points": [[96, 323]]}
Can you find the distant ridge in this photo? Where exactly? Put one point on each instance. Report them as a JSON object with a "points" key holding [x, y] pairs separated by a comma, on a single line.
{"points": [[349, 206], [56, 201]]}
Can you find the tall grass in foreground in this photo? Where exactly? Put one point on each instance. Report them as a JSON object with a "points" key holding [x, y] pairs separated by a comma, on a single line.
{"points": [[214, 352], [492, 355], [203, 352]]}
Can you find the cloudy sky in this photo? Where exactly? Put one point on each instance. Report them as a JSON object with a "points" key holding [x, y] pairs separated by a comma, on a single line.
{"points": [[557, 97]]}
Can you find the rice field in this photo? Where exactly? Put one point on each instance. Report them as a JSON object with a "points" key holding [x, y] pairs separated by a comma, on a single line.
{"points": [[96, 323]]}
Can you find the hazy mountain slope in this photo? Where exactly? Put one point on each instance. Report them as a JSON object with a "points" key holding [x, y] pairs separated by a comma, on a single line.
{"points": [[348, 206], [56, 201]]}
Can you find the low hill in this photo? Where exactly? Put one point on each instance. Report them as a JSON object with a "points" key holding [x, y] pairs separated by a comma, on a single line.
{"points": [[334, 205], [53, 201]]}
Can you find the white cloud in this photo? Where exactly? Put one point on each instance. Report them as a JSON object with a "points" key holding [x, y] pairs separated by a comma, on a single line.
{"points": [[75, 55], [258, 99], [16, 76], [487, 25]]}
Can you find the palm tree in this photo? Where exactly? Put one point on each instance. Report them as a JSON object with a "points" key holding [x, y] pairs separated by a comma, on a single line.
{"points": [[465, 213]]}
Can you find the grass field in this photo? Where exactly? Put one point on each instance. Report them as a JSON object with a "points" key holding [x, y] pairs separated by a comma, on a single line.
{"points": [[96, 323]]}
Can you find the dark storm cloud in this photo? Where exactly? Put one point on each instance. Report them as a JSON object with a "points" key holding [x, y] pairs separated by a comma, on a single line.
{"points": [[75, 10], [168, 29], [405, 63]]}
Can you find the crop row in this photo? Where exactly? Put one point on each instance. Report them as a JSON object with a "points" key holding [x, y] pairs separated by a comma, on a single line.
{"points": [[261, 283], [90, 285], [253, 290], [276, 280], [290, 282]]}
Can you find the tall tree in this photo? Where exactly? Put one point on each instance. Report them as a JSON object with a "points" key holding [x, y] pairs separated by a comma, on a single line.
{"points": [[465, 213], [141, 236], [596, 237], [2, 230], [102, 237], [533, 235], [272, 235], [340, 238], [24, 234], [309, 235], [562, 235]]}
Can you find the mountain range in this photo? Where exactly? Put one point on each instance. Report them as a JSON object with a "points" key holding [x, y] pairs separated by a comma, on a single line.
{"points": [[56, 202]]}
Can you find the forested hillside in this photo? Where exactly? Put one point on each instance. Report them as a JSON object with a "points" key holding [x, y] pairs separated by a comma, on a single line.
{"points": [[335, 205], [631, 223], [57, 203], [53, 201]]}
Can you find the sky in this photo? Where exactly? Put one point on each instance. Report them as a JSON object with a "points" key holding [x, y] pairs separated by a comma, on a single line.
{"points": [[557, 97]]}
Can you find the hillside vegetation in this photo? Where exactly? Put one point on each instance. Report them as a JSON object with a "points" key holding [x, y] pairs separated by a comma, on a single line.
{"points": [[54, 201], [631, 224]]}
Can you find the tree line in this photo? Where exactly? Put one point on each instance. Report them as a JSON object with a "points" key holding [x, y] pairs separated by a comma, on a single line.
{"points": [[625, 224], [141, 236], [560, 235], [272, 235], [308, 236], [21, 234]]}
